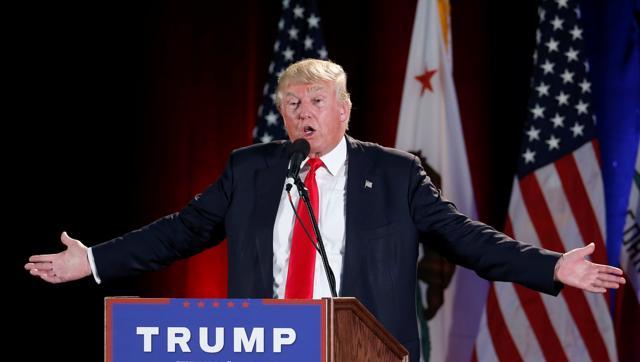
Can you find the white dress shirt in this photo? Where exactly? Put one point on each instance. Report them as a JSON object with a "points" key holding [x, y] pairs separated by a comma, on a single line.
{"points": [[331, 181]]}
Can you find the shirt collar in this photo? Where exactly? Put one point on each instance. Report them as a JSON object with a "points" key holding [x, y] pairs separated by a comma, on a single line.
{"points": [[335, 158]]}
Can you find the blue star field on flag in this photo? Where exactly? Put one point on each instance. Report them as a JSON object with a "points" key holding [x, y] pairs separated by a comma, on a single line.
{"points": [[299, 37], [560, 117]]}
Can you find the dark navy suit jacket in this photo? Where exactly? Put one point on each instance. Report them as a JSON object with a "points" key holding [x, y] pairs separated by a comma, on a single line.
{"points": [[384, 222]]}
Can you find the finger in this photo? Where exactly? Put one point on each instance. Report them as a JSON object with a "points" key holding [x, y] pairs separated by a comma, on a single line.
{"points": [[610, 278], [39, 266], [609, 269], [38, 272], [42, 258], [608, 285], [615, 281]]}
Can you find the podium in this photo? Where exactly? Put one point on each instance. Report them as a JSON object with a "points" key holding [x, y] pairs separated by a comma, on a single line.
{"points": [[172, 329], [356, 335]]}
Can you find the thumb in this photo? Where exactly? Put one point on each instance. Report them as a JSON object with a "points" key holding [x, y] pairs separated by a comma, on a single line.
{"points": [[587, 250], [66, 239]]}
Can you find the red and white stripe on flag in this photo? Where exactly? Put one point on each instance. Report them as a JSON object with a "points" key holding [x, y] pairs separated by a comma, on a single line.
{"points": [[557, 207]]}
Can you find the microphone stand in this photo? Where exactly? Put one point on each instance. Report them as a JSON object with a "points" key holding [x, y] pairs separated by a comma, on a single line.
{"points": [[304, 195]]}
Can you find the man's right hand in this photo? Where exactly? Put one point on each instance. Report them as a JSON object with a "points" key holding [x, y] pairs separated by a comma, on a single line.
{"points": [[71, 264]]}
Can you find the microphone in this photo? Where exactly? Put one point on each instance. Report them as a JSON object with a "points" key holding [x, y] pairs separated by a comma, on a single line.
{"points": [[298, 151]]}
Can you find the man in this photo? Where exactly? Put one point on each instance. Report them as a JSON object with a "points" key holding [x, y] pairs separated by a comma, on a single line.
{"points": [[374, 204]]}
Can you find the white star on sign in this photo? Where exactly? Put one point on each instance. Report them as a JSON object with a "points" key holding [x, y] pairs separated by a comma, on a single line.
{"points": [[562, 3]]}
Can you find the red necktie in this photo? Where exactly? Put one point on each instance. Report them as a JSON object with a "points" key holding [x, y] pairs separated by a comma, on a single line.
{"points": [[302, 259]]}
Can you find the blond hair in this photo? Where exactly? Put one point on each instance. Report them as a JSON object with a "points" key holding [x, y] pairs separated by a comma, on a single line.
{"points": [[314, 71]]}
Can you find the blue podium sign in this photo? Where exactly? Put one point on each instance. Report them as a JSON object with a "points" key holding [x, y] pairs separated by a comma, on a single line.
{"points": [[214, 330]]}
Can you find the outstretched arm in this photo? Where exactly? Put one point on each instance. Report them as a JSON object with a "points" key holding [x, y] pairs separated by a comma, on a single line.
{"points": [[575, 270], [68, 265]]}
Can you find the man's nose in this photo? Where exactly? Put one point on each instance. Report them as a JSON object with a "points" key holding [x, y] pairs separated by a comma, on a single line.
{"points": [[303, 112]]}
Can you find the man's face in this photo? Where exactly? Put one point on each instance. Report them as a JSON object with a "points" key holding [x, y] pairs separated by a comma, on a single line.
{"points": [[313, 112]]}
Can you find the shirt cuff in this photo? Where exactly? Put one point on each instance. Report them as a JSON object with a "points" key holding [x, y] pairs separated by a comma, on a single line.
{"points": [[92, 264]]}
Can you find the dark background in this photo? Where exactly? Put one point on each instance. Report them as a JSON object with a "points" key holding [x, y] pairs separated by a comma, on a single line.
{"points": [[121, 111]]}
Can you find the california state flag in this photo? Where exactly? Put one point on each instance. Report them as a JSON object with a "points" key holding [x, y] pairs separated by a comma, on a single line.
{"points": [[628, 297], [430, 123]]}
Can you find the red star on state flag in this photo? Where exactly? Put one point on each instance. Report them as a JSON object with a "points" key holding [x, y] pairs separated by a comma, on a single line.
{"points": [[425, 79]]}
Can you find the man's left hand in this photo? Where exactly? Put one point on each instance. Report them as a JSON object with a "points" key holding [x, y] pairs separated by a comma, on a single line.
{"points": [[575, 270]]}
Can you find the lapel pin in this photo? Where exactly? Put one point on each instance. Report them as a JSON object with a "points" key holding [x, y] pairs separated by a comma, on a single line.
{"points": [[368, 184]]}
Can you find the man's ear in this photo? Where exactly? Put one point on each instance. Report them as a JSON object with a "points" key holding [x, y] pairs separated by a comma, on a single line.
{"points": [[344, 112]]}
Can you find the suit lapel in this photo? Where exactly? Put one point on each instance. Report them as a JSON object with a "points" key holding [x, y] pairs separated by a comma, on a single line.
{"points": [[269, 182], [360, 181]]}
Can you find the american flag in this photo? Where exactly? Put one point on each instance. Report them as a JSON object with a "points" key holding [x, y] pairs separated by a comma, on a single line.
{"points": [[299, 37], [557, 202]]}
